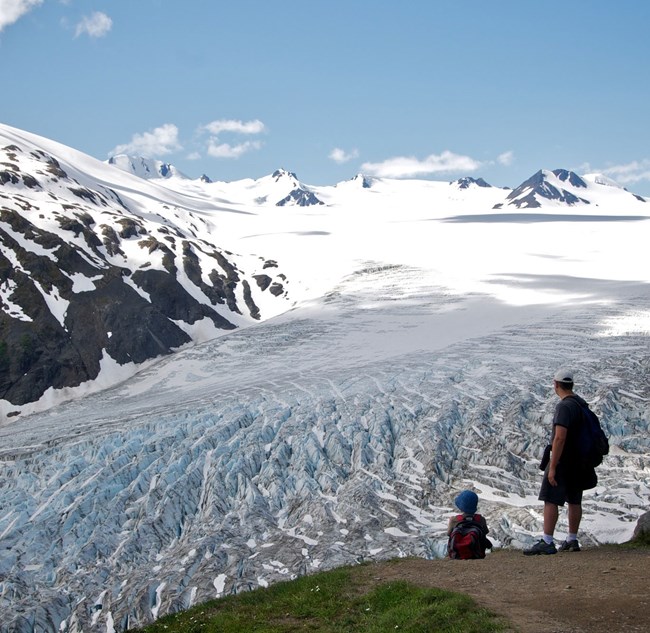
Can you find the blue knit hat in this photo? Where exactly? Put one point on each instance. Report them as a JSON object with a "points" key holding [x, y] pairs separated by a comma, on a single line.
{"points": [[467, 502]]}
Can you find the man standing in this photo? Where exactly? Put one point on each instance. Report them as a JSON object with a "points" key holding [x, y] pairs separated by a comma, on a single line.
{"points": [[565, 477]]}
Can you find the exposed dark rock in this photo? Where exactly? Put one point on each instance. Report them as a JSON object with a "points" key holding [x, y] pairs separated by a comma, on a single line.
{"points": [[571, 176], [130, 228], [30, 181], [54, 167], [87, 194], [192, 268], [111, 240], [70, 224], [253, 310], [9, 176], [139, 329], [276, 289], [279, 173], [642, 528], [86, 218], [263, 281], [12, 151], [464, 183], [301, 198], [172, 300]]}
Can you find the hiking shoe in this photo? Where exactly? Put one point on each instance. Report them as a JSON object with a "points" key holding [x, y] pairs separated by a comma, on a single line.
{"points": [[570, 546], [541, 547]]}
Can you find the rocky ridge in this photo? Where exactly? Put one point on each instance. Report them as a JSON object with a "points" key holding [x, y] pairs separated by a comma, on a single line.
{"points": [[88, 276]]}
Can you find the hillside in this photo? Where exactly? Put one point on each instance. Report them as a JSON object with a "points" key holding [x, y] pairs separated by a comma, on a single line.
{"points": [[593, 591], [597, 590]]}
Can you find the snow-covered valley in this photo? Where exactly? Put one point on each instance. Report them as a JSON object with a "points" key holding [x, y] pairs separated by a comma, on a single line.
{"points": [[417, 360]]}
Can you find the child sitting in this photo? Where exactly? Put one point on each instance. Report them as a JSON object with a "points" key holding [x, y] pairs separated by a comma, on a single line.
{"points": [[467, 531]]}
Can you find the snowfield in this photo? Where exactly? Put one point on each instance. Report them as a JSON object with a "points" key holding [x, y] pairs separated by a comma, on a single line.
{"points": [[416, 360]]}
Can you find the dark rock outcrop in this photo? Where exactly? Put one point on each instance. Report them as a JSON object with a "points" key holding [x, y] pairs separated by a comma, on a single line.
{"points": [[642, 529], [86, 279]]}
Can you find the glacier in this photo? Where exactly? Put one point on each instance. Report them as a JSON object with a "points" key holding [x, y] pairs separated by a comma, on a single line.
{"points": [[302, 444]]}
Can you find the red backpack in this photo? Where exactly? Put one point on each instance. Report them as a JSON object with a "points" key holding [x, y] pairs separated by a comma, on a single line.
{"points": [[468, 538]]}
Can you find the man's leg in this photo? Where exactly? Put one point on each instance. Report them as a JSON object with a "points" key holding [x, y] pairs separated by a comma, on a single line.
{"points": [[553, 497], [546, 544], [575, 516], [551, 513]]}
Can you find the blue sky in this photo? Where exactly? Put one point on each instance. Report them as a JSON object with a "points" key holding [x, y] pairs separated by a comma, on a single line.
{"points": [[327, 89]]}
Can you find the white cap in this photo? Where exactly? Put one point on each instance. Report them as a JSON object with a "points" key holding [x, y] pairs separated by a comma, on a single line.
{"points": [[563, 375]]}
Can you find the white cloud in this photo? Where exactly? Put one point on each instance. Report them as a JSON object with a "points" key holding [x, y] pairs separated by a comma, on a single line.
{"points": [[340, 156], [410, 167], [95, 25], [218, 149], [231, 125], [225, 150], [506, 159], [160, 141], [12, 10], [629, 173]]}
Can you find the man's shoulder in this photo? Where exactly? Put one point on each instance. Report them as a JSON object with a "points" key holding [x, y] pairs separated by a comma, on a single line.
{"points": [[568, 409], [574, 402]]}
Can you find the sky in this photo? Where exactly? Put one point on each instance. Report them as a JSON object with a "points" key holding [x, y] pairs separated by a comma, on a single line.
{"points": [[433, 89]]}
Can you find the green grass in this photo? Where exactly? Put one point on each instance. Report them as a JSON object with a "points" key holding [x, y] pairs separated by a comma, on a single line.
{"points": [[334, 602]]}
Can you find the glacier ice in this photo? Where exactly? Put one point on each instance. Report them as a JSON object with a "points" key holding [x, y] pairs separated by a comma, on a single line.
{"points": [[289, 448]]}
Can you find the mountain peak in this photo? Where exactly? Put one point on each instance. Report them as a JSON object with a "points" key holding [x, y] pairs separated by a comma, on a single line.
{"points": [[283, 173], [147, 168], [570, 176], [468, 181], [548, 185], [366, 182]]}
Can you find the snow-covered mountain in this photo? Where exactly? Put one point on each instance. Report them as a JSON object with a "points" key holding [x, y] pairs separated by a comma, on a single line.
{"points": [[415, 360], [564, 188], [145, 167], [467, 182], [101, 270]]}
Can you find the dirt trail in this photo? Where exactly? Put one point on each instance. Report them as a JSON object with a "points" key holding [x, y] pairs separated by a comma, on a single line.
{"points": [[601, 589]]}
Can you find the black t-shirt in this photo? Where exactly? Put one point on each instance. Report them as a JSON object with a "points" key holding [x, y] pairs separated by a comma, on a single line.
{"points": [[569, 415]]}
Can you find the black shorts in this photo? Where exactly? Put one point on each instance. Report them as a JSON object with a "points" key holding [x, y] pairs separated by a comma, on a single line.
{"points": [[568, 489]]}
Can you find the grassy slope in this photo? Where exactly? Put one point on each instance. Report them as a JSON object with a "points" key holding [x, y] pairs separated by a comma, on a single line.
{"points": [[331, 602], [343, 600]]}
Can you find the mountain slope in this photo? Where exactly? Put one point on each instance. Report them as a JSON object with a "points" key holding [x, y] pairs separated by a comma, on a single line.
{"points": [[94, 276]]}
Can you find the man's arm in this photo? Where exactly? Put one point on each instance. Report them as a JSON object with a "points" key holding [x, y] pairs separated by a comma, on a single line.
{"points": [[559, 439]]}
